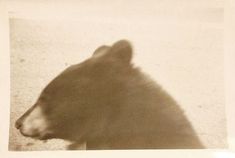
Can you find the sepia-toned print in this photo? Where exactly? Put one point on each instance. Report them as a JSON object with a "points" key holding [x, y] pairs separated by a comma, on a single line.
{"points": [[88, 75]]}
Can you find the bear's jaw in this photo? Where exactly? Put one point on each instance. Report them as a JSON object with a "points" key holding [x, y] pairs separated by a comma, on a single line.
{"points": [[39, 136]]}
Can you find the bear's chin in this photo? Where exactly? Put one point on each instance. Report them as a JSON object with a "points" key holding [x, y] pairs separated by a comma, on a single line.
{"points": [[39, 136]]}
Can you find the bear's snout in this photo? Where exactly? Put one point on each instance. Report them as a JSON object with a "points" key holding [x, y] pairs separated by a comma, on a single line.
{"points": [[32, 123]]}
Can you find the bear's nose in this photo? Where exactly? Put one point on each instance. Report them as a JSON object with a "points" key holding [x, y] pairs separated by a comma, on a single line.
{"points": [[18, 123]]}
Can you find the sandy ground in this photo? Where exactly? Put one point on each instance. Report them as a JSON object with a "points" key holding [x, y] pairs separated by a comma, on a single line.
{"points": [[180, 45]]}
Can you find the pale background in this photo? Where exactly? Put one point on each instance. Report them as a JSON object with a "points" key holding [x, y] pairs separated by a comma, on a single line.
{"points": [[179, 43]]}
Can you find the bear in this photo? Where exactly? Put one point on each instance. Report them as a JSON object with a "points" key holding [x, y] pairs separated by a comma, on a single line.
{"points": [[108, 103]]}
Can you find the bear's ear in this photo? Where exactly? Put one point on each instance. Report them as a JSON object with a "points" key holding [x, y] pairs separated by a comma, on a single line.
{"points": [[100, 51], [121, 51]]}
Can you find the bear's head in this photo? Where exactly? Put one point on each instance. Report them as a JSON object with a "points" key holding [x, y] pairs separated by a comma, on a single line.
{"points": [[81, 99]]}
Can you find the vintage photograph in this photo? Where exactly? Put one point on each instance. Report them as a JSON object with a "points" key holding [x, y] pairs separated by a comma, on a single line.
{"points": [[98, 75]]}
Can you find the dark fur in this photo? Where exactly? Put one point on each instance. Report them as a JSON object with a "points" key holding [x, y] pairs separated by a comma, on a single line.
{"points": [[109, 104]]}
